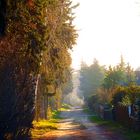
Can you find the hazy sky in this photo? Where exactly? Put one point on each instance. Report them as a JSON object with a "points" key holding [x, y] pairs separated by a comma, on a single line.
{"points": [[107, 29]]}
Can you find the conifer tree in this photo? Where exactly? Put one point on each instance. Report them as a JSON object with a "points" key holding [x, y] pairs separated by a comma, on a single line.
{"points": [[30, 30]]}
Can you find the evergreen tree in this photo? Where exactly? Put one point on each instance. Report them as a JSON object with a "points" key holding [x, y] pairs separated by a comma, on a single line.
{"points": [[91, 78], [119, 75], [35, 34]]}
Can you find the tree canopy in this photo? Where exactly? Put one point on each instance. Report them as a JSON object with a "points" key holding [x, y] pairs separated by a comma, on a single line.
{"points": [[91, 78], [35, 39]]}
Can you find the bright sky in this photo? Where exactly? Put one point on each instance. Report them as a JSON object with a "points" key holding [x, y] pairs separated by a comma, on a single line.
{"points": [[107, 29]]}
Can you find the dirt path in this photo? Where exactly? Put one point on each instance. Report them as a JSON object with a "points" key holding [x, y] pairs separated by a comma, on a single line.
{"points": [[76, 126]]}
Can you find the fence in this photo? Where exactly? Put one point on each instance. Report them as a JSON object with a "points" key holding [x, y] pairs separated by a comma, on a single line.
{"points": [[122, 115], [105, 112]]}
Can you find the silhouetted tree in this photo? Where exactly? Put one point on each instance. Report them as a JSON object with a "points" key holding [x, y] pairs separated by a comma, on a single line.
{"points": [[2, 17]]}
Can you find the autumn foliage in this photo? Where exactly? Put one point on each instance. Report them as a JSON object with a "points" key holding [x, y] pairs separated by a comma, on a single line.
{"points": [[36, 38]]}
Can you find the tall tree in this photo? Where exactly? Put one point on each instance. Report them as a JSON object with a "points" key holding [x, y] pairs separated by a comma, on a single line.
{"points": [[30, 30], [119, 75], [56, 59], [91, 78]]}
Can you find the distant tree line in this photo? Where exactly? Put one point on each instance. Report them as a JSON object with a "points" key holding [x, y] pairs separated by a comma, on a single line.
{"points": [[102, 85]]}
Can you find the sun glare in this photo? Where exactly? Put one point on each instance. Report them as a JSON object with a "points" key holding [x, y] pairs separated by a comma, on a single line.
{"points": [[107, 30]]}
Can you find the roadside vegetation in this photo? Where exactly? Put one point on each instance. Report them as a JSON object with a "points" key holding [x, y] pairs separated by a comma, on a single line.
{"points": [[43, 126], [113, 93], [35, 62], [113, 126], [65, 107]]}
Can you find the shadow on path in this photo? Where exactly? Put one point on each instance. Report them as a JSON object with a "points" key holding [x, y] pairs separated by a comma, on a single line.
{"points": [[76, 126]]}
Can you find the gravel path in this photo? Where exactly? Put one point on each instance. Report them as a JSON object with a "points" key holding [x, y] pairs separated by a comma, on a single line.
{"points": [[76, 126]]}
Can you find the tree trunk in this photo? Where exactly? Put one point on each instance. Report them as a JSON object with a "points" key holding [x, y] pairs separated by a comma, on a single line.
{"points": [[37, 100], [46, 107]]}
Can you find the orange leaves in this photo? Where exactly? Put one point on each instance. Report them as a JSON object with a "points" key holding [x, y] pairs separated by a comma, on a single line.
{"points": [[33, 25], [30, 3]]}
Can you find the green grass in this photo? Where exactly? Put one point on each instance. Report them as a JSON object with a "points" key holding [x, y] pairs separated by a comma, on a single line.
{"points": [[98, 120], [56, 115], [43, 126], [114, 126], [65, 107]]}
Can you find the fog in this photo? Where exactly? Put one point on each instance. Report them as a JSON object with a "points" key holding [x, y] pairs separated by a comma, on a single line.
{"points": [[73, 98]]}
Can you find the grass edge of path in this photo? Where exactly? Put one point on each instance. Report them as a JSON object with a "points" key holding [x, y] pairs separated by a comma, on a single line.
{"points": [[113, 126], [43, 126]]}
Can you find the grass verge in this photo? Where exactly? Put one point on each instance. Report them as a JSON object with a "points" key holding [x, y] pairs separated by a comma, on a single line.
{"points": [[114, 126], [43, 126], [65, 107]]}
